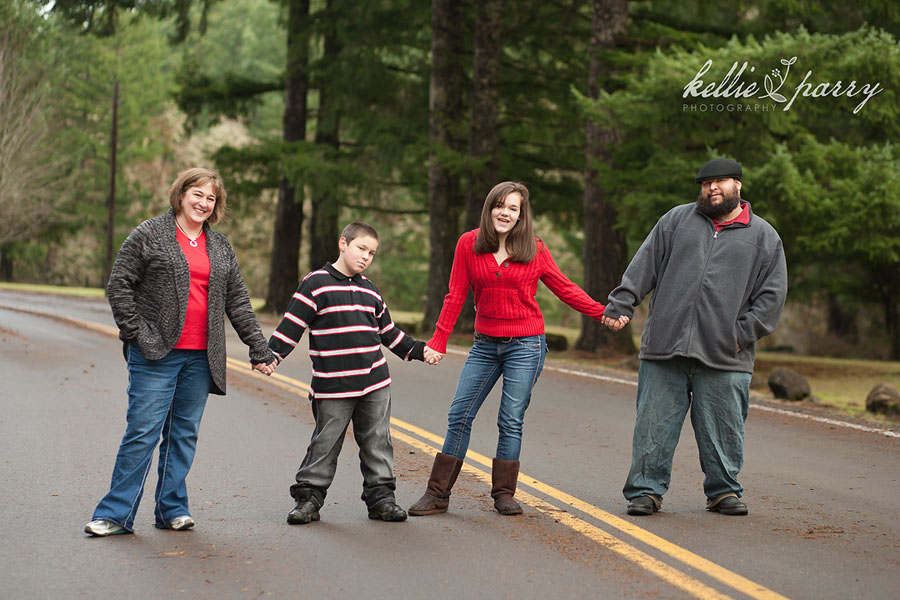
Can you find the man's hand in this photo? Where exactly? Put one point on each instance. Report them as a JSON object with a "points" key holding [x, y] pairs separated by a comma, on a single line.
{"points": [[432, 357], [615, 324]]}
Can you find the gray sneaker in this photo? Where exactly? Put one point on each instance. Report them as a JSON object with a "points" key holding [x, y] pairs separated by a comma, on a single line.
{"points": [[103, 528], [181, 523]]}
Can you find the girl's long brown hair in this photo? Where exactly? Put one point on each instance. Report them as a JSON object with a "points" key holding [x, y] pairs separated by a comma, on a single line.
{"points": [[520, 242]]}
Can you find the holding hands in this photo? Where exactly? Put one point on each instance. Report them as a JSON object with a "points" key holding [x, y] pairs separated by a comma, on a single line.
{"points": [[614, 324], [266, 369], [432, 357]]}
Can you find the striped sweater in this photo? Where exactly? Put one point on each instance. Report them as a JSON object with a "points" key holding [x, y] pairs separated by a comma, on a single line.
{"points": [[348, 322], [505, 304]]}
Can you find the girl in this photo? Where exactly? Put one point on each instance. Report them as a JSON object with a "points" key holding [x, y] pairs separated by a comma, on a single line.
{"points": [[502, 262]]}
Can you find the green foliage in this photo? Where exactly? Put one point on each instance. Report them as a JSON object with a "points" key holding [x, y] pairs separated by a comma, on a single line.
{"points": [[81, 71], [666, 136]]}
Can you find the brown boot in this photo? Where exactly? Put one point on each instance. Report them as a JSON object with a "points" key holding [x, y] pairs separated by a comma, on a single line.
{"points": [[504, 475], [437, 496]]}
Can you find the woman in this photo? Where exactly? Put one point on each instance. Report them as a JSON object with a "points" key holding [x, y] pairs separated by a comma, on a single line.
{"points": [[173, 281], [502, 262]]}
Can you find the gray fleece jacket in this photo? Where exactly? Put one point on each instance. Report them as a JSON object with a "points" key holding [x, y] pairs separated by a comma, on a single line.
{"points": [[712, 292], [148, 293]]}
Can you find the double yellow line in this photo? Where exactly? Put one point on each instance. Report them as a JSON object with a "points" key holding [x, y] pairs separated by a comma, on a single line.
{"points": [[429, 443], [404, 432]]}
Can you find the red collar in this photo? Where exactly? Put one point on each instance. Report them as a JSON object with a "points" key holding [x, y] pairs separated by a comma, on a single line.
{"points": [[741, 219]]}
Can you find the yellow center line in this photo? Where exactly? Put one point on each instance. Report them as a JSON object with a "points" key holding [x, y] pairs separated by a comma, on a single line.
{"points": [[730, 578], [667, 573]]}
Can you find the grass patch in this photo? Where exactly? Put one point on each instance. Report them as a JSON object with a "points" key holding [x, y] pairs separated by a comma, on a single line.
{"points": [[842, 383], [83, 292]]}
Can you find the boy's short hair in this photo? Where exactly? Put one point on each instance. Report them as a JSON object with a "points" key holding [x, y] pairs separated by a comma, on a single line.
{"points": [[358, 229]]}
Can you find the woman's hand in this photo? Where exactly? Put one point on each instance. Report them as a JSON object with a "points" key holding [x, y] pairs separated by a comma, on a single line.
{"points": [[266, 369], [432, 357]]}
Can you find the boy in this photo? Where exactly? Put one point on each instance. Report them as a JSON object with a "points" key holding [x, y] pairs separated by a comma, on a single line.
{"points": [[348, 322]]}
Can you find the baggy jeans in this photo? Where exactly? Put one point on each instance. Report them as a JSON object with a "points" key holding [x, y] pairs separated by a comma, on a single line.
{"points": [[718, 400]]}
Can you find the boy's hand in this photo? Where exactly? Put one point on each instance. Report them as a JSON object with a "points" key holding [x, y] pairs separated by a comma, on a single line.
{"points": [[432, 357], [266, 369]]}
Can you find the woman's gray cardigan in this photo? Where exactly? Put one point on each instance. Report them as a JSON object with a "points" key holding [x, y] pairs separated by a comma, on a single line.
{"points": [[148, 292]]}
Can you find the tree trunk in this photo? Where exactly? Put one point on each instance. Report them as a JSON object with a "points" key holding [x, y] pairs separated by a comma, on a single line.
{"points": [[891, 302], [6, 265], [841, 323], [484, 130], [323, 225], [111, 199], [287, 235], [445, 109], [605, 250]]}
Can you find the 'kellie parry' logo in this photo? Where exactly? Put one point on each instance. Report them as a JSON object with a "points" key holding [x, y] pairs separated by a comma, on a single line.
{"points": [[733, 87]]}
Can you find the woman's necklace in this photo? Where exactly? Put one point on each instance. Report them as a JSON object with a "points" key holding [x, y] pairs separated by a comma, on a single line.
{"points": [[193, 242]]}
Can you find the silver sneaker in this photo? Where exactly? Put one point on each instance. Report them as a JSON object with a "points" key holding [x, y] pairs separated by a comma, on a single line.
{"points": [[181, 523], [102, 528]]}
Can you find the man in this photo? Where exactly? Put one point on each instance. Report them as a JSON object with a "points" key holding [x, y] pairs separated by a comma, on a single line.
{"points": [[719, 279]]}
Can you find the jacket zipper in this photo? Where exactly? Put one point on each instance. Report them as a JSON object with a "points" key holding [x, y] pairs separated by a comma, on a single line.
{"points": [[697, 296]]}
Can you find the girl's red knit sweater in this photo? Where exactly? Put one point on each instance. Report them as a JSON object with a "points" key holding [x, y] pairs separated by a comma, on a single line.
{"points": [[505, 304]]}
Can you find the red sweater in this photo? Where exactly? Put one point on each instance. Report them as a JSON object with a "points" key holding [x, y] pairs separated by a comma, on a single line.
{"points": [[505, 304], [195, 330]]}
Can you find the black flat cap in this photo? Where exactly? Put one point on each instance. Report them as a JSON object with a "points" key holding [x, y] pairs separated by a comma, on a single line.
{"points": [[719, 168]]}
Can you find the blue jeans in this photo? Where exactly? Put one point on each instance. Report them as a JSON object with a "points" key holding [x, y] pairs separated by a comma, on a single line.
{"points": [[371, 418], [520, 361], [166, 399], [719, 402]]}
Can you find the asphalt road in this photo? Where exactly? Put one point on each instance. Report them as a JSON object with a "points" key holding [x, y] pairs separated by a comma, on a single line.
{"points": [[822, 495]]}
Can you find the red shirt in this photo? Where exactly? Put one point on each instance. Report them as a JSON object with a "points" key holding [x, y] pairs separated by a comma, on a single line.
{"points": [[505, 305], [194, 333], [743, 218]]}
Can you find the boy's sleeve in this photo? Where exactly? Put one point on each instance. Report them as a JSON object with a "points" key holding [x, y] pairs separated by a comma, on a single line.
{"points": [[300, 313], [396, 340]]}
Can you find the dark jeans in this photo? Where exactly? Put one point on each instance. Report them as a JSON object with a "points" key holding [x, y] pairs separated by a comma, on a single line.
{"points": [[371, 418]]}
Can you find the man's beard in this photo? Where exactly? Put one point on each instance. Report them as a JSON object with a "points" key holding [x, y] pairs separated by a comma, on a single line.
{"points": [[729, 202]]}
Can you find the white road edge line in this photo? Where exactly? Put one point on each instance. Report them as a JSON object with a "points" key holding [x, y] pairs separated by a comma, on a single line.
{"points": [[780, 411], [825, 420]]}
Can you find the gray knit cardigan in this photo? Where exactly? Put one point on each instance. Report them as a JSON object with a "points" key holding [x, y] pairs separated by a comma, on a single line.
{"points": [[148, 292]]}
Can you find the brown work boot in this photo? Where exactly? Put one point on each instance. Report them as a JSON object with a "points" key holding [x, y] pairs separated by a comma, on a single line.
{"points": [[436, 499], [504, 475]]}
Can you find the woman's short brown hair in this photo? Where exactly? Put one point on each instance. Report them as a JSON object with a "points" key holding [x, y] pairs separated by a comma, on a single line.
{"points": [[197, 177], [520, 243]]}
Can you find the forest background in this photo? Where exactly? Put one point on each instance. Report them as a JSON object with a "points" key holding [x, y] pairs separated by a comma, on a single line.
{"points": [[404, 114]]}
